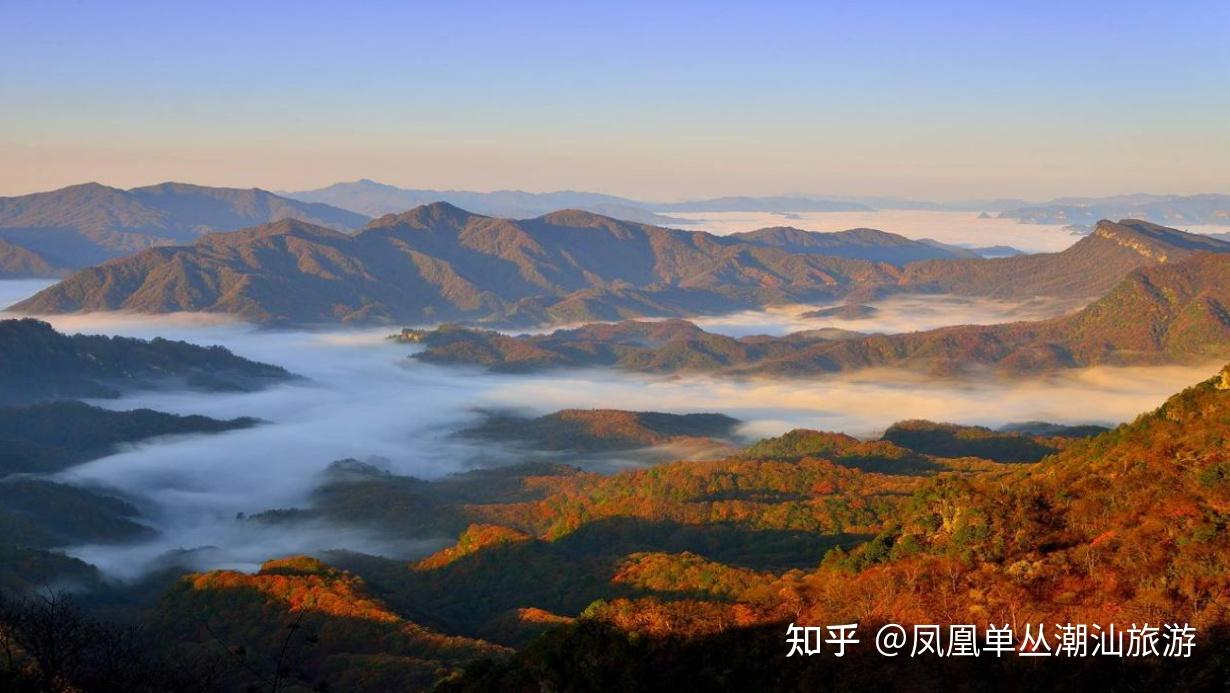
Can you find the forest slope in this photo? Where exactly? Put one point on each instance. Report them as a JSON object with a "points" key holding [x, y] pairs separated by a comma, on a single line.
{"points": [[1176, 312]]}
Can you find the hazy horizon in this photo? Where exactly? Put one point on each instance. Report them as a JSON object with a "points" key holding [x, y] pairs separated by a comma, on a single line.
{"points": [[956, 101], [819, 195]]}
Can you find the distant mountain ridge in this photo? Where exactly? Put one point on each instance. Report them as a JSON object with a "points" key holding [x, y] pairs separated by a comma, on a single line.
{"points": [[374, 198], [1163, 209], [377, 199], [779, 203], [85, 224], [865, 244], [439, 262]]}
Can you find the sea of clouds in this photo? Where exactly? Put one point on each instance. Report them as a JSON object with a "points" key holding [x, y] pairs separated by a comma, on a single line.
{"points": [[362, 396]]}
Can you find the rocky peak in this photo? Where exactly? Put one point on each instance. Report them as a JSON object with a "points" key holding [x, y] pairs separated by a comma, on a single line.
{"points": [[1158, 243]]}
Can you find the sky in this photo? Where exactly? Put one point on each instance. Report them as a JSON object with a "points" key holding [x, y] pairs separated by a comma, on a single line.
{"points": [[653, 100]]}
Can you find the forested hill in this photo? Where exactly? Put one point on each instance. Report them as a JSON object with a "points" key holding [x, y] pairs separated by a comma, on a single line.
{"points": [[1124, 527], [1090, 268], [38, 363], [438, 262], [1174, 312], [85, 224]]}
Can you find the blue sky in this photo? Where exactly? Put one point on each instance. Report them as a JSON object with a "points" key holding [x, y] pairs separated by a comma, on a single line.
{"points": [[655, 100]]}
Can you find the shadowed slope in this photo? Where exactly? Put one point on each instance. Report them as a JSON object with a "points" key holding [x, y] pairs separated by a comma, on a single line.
{"points": [[85, 224], [17, 262], [1169, 209], [439, 261], [37, 363], [51, 436], [865, 244]]}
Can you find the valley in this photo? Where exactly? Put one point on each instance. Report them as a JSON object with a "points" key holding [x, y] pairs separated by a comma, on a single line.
{"points": [[454, 505]]}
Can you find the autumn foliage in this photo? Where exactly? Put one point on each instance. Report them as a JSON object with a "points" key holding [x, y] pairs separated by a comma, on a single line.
{"points": [[695, 560]]}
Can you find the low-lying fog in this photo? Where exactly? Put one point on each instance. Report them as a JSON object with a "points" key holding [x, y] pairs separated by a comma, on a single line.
{"points": [[891, 315], [956, 228], [363, 397]]}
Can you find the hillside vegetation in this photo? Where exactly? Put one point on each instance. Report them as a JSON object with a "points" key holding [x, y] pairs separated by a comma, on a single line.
{"points": [[438, 262], [1176, 312], [38, 363]]}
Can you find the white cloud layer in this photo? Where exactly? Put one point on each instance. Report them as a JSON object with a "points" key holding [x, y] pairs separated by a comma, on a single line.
{"points": [[364, 397]]}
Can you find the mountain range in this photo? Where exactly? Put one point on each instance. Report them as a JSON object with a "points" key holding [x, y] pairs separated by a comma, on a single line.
{"points": [[1175, 312], [85, 224], [863, 244], [1089, 268], [438, 262], [43, 234], [375, 199], [1172, 210], [378, 199]]}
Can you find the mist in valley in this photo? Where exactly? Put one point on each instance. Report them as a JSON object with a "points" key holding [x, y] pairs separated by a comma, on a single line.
{"points": [[895, 314], [363, 397]]}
